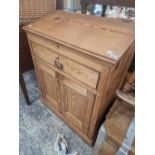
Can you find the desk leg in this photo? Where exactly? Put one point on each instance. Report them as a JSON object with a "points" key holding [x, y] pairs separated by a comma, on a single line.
{"points": [[23, 87]]}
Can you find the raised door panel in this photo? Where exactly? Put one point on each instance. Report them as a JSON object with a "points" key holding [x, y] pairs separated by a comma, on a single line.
{"points": [[77, 103], [51, 88]]}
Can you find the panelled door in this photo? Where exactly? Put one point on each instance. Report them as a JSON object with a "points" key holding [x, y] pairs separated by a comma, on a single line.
{"points": [[49, 83], [73, 101], [77, 103]]}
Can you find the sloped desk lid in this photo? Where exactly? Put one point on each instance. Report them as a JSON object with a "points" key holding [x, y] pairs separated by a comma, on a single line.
{"points": [[104, 38]]}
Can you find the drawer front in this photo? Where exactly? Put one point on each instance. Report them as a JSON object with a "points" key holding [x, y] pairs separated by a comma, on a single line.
{"points": [[81, 73], [68, 52]]}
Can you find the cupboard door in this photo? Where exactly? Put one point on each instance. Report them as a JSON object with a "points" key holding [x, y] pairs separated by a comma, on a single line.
{"points": [[51, 88], [77, 103]]}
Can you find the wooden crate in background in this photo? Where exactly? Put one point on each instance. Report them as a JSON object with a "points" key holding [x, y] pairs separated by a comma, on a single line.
{"points": [[116, 125], [33, 9]]}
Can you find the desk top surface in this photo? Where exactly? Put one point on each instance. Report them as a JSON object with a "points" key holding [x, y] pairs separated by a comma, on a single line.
{"points": [[103, 38]]}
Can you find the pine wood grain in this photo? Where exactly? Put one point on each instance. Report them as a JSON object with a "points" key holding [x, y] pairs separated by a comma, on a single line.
{"points": [[74, 69], [84, 80], [95, 35]]}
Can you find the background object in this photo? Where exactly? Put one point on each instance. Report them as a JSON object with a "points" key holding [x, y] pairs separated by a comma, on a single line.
{"points": [[33, 9], [25, 61], [98, 9], [72, 5], [125, 3], [29, 10], [118, 130]]}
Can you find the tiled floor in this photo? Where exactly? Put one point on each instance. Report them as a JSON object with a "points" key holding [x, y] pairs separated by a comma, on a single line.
{"points": [[39, 127]]}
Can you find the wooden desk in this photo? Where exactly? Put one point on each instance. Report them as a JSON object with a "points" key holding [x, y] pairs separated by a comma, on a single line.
{"points": [[80, 61]]}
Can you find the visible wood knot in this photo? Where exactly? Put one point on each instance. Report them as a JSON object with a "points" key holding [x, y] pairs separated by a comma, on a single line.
{"points": [[56, 18]]}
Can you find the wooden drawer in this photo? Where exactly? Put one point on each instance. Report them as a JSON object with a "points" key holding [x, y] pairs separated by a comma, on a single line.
{"points": [[82, 73], [71, 53]]}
